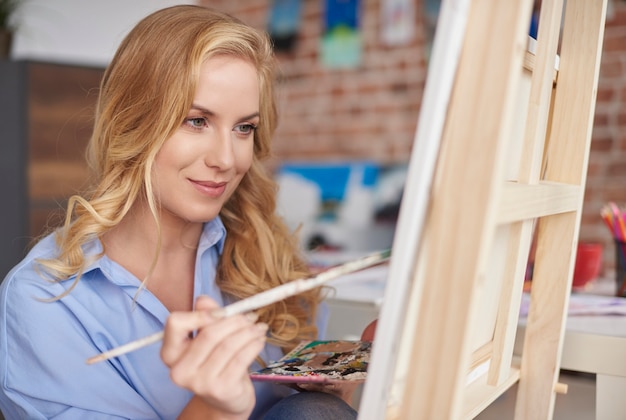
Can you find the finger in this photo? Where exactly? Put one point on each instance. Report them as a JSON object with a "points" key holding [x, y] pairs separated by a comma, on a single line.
{"points": [[205, 303], [370, 331], [230, 384], [178, 327], [181, 325], [317, 387], [342, 389], [201, 348], [240, 352]]}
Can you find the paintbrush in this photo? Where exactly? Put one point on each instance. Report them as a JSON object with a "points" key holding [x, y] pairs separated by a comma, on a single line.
{"points": [[261, 299]]}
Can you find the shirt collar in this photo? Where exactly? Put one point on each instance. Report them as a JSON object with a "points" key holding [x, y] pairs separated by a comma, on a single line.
{"points": [[213, 234]]}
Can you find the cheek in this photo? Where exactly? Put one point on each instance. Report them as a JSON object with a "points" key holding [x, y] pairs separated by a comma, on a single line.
{"points": [[175, 153], [245, 155], [163, 165]]}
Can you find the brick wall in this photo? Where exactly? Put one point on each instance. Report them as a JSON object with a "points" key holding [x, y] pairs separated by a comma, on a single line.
{"points": [[371, 112], [606, 180]]}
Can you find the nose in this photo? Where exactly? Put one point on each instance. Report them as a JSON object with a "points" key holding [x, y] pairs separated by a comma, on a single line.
{"points": [[219, 152]]}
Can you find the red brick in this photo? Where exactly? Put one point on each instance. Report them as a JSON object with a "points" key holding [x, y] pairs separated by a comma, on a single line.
{"points": [[611, 69], [606, 94]]}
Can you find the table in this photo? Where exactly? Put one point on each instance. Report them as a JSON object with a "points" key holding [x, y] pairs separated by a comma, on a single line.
{"points": [[593, 343]]}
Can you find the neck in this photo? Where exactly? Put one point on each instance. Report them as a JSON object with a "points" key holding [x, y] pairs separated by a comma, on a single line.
{"points": [[137, 235], [175, 232], [134, 244]]}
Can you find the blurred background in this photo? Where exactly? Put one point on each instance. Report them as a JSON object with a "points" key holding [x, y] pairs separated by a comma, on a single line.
{"points": [[350, 86]]}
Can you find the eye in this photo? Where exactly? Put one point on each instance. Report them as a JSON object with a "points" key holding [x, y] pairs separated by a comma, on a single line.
{"points": [[245, 129], [195, 122]]}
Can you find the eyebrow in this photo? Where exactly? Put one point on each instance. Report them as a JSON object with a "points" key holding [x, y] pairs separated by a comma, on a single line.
{"points": [[208, 112]]}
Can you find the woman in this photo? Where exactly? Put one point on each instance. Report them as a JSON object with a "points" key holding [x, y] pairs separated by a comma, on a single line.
{"points": [[180, 221]]}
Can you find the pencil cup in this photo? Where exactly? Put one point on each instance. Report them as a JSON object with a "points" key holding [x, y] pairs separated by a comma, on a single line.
{"points": [[588, 264], [620, 267]]}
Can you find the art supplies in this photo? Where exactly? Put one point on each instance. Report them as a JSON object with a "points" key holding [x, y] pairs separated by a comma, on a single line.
{"points": [[615, 220], [320, 362]]}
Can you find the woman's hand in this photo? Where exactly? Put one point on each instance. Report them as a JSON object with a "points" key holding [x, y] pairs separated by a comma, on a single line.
{"points": [[344, 390], [370, 331], [214, 364]]}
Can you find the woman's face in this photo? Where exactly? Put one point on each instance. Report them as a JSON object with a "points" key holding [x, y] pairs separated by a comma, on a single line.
{"points": [[201, 165]]}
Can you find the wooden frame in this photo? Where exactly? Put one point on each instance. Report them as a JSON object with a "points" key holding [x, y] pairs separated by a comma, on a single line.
{"points": [[505, 153]]}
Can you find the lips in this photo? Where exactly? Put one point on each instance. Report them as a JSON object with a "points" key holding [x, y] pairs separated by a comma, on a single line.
{"points": [[209, 188]]}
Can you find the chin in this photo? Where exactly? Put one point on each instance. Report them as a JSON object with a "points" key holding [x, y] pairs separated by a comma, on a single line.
{"points": [[195, 217], [202, 218]]}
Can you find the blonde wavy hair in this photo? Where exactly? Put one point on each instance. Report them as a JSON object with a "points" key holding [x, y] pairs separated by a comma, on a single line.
{"points": [[145, 94]]}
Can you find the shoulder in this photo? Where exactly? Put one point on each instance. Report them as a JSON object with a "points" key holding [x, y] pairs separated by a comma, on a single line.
{"points": [[27, 275], [49, 338], [26, 287], [28, 293]]}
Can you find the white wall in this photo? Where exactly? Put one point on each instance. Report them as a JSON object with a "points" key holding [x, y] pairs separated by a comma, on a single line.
{"points": [[82, 32]]}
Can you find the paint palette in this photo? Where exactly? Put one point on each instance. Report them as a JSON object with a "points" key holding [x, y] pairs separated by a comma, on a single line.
{"points": [[319, 362]]}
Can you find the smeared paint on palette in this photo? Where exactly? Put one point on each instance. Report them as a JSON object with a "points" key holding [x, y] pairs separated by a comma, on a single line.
{"points": [[320, 361]]}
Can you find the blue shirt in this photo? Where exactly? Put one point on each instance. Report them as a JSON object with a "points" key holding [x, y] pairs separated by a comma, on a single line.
{"points": [[44, 345]]}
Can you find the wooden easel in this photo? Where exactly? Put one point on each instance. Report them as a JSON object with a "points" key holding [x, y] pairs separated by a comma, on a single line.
{"points": [[507, 148]]}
